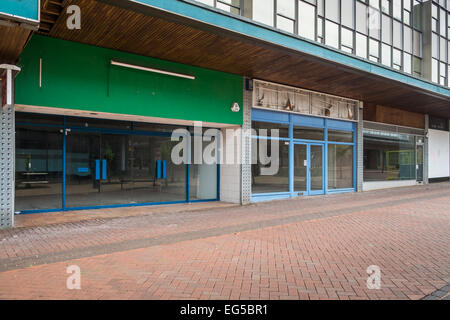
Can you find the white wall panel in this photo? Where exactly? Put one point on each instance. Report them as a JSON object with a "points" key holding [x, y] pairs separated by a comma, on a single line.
{"points": [[438, 153]]}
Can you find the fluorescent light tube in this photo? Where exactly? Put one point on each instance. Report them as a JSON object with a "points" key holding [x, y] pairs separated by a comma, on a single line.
{"points": [[132, 66]]}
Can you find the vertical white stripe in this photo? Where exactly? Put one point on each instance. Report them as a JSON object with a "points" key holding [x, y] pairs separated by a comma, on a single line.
{"points": [[40, 73], [9, 87]]}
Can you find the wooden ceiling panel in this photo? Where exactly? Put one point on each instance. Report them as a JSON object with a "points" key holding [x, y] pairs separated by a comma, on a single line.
{"points": [[12, 42], [125, 30]]}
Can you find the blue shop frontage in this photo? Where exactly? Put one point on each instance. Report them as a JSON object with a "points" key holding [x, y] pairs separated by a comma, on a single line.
{"points": [[317, 142]]}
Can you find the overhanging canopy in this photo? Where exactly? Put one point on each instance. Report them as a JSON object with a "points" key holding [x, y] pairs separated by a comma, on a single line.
{"points": [[150, 31]]}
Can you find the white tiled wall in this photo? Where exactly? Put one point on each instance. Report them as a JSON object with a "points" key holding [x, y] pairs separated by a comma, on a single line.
{"points": [[230, 176]]}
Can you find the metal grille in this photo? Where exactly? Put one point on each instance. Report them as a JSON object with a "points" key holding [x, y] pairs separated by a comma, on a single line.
{"points": [[246, 188], [7, 146]]}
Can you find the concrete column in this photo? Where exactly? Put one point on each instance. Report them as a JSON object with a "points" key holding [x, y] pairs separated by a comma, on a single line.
{"points": [[426, 151], [360, 150], [7, 145], [246, 167]]}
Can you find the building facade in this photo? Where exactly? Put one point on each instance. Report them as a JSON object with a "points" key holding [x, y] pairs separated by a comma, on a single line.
{"points": [[358, 92]]}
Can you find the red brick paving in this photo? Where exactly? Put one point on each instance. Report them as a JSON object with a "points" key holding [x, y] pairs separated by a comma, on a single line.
{"points": [[319, 258]]}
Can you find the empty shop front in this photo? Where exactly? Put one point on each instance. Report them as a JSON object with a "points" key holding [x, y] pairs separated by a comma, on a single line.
{"points": [[68, 163]]}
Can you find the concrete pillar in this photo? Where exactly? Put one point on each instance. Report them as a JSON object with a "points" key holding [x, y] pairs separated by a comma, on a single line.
{"points": [[360, 150], [7, 145], [246, 167], [426, 151]]}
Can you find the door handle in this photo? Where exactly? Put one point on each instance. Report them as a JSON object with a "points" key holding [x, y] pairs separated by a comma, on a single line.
{"points": [[164, 169], [97, 169], [158, 169], [104, 169]]}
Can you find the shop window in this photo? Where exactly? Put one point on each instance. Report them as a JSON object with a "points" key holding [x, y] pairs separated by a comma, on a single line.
{"points": [[388, 156], [277, 181], [340, 166]]}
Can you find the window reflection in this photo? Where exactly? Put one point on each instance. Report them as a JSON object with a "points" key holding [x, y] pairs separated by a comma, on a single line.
{"points": [[369, 29], [340, 166], [388, 156], [279, 182]]}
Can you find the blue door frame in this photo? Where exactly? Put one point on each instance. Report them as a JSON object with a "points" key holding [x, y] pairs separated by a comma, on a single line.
{"points": [[321, 191], [309, 191], [65, 130]]}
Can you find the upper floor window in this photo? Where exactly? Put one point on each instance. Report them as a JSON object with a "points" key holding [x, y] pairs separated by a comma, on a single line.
{"points": [[391, 32]]}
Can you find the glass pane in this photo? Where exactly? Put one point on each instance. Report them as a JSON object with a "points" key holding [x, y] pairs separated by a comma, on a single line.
{"points": [[397, 32], [374, 23], [38, 168], [36, 118], [272, 175], [388, 156], [347, 38], [208, 2], [316, 167], [386, 57], [300, 167], [332, 10], [347, 13], [340, 166], [203, 177], [361, 17], [387, 29], [397, 9], [98, 123], [83, 170], [283, 129], [374, 49], [307, 133], [263, 11], [407, 39], [148, 183], [285, 24], [113, 169], [419, 159], [340, 136], [231, 9], [361, 45], [407, 63], [306, 20], [332, 34], [286, 8]]}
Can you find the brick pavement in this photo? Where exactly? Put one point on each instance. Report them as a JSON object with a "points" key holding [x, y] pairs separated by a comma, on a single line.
{"points": [[306, 248]]}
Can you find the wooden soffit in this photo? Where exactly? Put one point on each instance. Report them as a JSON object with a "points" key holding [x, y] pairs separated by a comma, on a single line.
{"points": [[163, 35]]}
